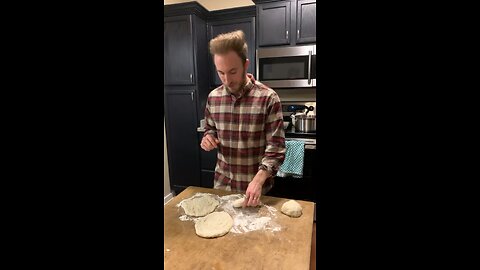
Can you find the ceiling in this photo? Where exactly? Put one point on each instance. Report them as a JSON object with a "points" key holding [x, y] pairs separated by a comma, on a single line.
{"points": [[211, 5]]}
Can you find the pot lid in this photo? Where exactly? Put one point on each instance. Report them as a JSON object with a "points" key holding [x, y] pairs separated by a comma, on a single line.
{"points": [[305, 116]]}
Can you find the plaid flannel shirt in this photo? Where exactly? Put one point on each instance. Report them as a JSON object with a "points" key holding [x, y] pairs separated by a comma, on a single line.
{"points": [[250, 131]]}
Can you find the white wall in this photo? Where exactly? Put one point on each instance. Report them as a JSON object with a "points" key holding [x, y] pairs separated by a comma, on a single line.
{"points": [[166, 179]]}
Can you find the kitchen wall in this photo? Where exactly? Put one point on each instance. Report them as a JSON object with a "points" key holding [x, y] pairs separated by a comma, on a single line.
{"points": [[214, 4], [299, 94], [166, 179]]}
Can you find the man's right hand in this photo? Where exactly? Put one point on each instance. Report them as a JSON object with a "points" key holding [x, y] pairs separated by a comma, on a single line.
{"points": [[209, 142]]}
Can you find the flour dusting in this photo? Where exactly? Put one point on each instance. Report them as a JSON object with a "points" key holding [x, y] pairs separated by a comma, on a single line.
{"points": [[244, 219]]}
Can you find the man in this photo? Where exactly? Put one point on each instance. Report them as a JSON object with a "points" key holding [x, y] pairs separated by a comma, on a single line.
{"points": [[244, 122]]}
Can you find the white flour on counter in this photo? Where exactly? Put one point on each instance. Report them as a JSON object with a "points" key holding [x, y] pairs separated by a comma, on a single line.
{"points": [[244, 219], [187, 217], [247, 223]]}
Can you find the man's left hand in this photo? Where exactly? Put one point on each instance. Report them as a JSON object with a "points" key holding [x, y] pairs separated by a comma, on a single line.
{"points": [[254, 189]]}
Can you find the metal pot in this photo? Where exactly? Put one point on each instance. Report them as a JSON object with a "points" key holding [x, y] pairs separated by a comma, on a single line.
{"points": [[305, 123]]}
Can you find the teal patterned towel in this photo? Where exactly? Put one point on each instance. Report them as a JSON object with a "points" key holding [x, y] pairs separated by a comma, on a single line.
{"points": [[293, 163]]}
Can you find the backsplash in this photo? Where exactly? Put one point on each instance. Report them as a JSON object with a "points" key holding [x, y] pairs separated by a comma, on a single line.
{"points": [[299, 94]]}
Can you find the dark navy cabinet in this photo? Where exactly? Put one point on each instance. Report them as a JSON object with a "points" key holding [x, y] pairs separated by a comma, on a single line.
{"points": [[178, 50], [185, 82], [228, 20], [207, 165], [181, 131], [285, 23], [306, 21], [274, 24]]}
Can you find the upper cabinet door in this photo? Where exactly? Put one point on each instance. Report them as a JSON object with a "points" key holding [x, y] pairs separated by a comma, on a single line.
{"points": [[273, 24], [178, 50], [306, 21], [247, 25]]}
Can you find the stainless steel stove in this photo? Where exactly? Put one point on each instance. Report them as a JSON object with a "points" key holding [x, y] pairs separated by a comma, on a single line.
{"points": [[299, 188], [309, 143], [289, 108]]}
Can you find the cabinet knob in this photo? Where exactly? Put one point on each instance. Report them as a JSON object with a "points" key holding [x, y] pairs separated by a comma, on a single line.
{"points": [[286, 36], [191, 77], [298, 34], [191, 94]]}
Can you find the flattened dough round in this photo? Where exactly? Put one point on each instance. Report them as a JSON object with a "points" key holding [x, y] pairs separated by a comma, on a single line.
{"points": [[292, 209], [215, 224], [199, 206]]}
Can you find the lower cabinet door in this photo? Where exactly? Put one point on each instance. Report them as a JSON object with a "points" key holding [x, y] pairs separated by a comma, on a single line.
{"points": [[207, 178], [181, 131]]}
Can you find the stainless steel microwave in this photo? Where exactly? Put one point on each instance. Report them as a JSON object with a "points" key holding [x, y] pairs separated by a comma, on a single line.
{"points": [[287, 67]]}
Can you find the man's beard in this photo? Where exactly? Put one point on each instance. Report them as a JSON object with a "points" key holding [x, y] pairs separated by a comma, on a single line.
{"points": [[241, 86]]}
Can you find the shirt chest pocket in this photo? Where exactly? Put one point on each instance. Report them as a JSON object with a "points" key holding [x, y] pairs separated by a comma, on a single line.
{"points": [[255, 119]]}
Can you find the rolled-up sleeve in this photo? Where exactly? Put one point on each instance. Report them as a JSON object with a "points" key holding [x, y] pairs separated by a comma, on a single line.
{"points": [[275, 137]]}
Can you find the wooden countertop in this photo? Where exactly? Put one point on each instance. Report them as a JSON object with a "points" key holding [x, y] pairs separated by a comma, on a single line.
{"points": [[288, 248]]}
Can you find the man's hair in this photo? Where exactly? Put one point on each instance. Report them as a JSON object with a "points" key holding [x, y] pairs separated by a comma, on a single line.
{"points": [[232, 41]]}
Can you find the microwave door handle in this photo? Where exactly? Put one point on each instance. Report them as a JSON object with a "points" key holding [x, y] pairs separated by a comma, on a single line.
{"points": [[309, 66]]}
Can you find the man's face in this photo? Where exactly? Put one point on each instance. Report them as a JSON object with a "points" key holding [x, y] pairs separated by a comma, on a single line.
{"points": [[231, 70]]}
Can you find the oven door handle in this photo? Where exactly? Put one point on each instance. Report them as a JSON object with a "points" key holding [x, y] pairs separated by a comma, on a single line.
{"points": [[309, 67]]}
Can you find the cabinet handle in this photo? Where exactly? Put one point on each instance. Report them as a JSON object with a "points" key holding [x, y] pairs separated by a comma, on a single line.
{"points": [[191, 94], [298, 34], [287, 35], [309, 66], [191, 77]]}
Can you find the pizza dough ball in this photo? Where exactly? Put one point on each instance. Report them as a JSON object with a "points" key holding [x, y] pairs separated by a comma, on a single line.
{"points": [[238, 203], [292, 209], [199, 206], [215, 224]]}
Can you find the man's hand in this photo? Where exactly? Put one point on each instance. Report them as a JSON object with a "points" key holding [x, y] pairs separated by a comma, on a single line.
{"points": [[209, 142], [254, 189]]}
